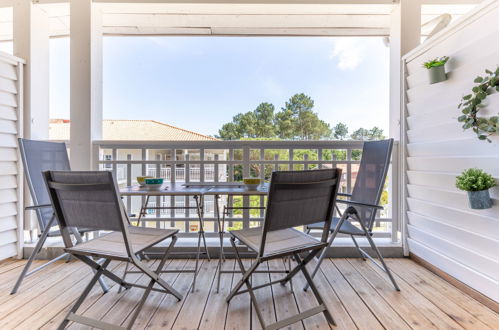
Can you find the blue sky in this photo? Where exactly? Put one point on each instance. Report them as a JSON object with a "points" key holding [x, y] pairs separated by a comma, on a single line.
{"points": [[199, 83]]}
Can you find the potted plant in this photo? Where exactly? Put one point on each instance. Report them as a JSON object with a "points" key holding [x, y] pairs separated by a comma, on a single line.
{"points": [[436, 69], [477, 183]]}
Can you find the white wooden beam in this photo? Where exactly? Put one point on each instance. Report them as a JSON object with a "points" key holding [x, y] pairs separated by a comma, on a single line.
{"points": [[31, 42], [85, 81]]}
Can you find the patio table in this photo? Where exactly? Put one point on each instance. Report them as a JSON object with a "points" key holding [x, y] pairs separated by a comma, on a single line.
{"points": [[174, 189]]}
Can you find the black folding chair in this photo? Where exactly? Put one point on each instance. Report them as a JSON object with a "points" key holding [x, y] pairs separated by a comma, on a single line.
{"points": [[296, 198], [363, 203], [92, 200], [38, 156]]}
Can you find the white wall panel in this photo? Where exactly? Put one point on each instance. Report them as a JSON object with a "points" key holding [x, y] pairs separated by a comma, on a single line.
{"points": [[442, 229], [11, 184]]}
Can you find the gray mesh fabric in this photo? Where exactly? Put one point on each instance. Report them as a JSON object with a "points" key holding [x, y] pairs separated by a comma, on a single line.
{"points": [[97, 209], [39, 156], [299, 206], [371, 177]]}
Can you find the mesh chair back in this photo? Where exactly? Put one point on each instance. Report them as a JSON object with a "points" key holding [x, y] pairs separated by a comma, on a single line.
{"points": [[86, 199], [371, 177], [299, 198], [39, 156]]}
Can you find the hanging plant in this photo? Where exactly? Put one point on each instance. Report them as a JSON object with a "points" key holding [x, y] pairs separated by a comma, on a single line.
{"points": [[472, 103]]}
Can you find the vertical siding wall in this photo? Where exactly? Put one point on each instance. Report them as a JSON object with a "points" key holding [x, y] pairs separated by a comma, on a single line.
{"points": [[442, 229], [11, 179]]}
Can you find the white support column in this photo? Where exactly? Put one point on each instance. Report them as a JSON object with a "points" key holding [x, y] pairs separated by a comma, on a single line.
{"points": [[31, 42], [86, 81], [405, 34]]}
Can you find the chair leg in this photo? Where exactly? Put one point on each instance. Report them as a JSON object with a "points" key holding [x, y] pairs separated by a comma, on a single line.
{"points": [[85, 293], [358, 248], [124, 275], [323, 253], [36, 250], [245, 280], [317, 295], [151, 284], [380, 257]]}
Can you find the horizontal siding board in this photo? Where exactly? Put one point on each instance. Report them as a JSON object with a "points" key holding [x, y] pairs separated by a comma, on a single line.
{"points": [[441, 180], [8, 85], [8, 223], [8, 181], [475, 261], [469, 240], [8, 141], [8, 154], [453, 164], [465, 274], [454, 199], [8, 209], [445, 131], [7, 112], [8, 126], [7, 70], [8, 168], [8, 250], [479, 224], [8, 99], [8, 196], [467, 146], [8, 236]]}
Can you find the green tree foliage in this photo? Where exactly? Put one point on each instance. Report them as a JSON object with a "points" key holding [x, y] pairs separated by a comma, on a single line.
{"points": [[296, 121], [363, 134], [340, 131]]}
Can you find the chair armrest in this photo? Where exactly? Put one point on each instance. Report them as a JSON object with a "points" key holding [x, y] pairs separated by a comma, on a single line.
{"points": [[360, 204], [36, 207]]}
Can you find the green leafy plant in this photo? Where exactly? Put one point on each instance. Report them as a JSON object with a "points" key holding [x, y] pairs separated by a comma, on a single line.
{"points": [[472, 103], [474, 179], [439, 61]]}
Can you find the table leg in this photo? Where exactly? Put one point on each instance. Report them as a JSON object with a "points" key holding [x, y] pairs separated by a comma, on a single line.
{"points": [[143, 209]]}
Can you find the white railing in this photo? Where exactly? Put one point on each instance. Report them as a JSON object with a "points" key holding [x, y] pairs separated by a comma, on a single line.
{"points": [[228, 161]]}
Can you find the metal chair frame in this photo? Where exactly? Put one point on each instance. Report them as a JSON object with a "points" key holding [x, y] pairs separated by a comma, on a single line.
{"points": [[101, 269], [44, 227], [294, 252], [352, 214]]}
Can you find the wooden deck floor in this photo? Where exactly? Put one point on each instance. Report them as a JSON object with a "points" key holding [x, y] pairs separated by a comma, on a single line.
{"points": [[357, 293]]}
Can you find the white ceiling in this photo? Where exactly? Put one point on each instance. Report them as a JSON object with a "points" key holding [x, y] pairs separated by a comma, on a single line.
{"points": [[234, 19]]}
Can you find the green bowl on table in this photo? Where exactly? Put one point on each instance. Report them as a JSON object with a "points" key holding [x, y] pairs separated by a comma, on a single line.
{"points": [[154, 183], [252, 183]]}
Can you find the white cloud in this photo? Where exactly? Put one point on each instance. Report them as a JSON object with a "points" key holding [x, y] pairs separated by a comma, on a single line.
{"points": [[349, 52]]}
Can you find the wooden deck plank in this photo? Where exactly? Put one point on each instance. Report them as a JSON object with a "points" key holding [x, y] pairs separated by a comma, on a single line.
{"points": [[215, 313], [169, 307], [284, 299], [264, 298], [354, 291], [94, 295], [239, 310], [478, 310], [360, 313], [191, 313], [155, 298], [383, 311], [98, 309], [30, 301], [405, 302], [434, 294]]}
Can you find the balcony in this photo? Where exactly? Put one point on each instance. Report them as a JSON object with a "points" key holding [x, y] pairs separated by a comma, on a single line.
{"points": [[443, 252]]}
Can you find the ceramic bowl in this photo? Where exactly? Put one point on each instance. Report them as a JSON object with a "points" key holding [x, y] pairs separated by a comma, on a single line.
{"points": [[252, 183], [153, 183]]}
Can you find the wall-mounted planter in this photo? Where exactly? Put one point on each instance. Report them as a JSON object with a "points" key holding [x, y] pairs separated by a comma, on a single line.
{"points": [[479, 200], [437, 74]]}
